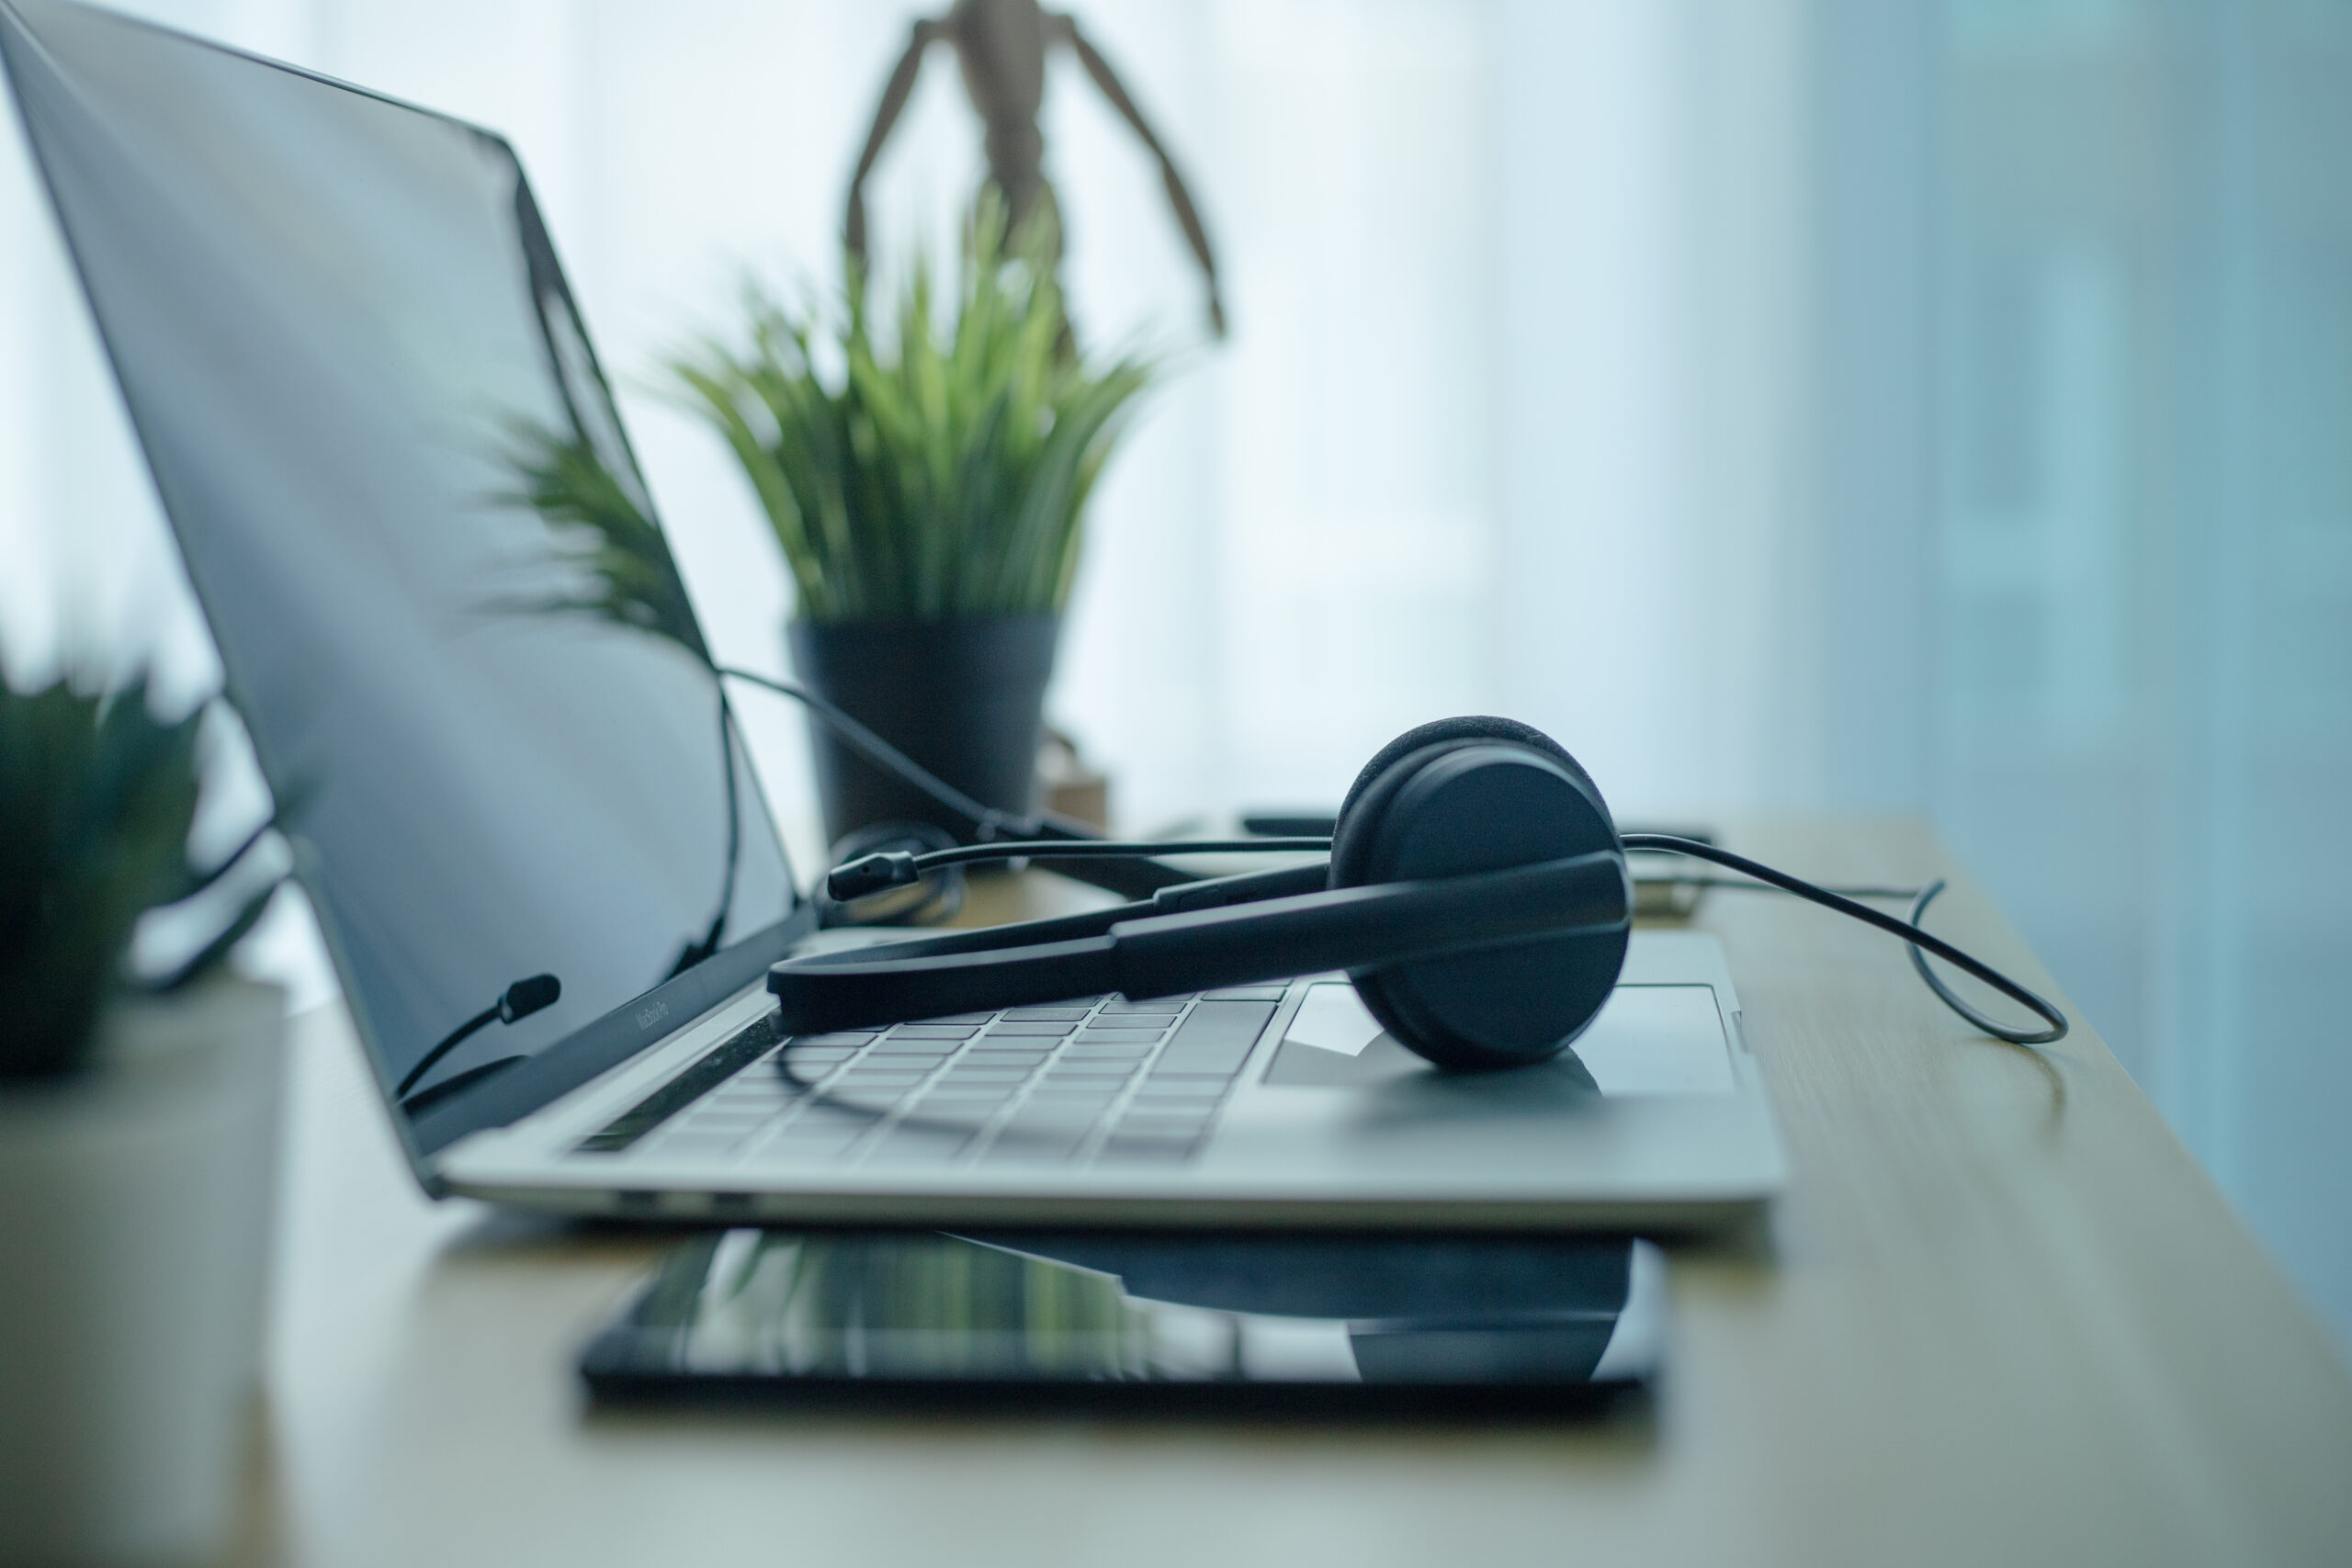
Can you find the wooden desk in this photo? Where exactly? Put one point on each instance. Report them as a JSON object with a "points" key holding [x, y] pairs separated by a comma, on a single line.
{"points": [[2001, 1317]]}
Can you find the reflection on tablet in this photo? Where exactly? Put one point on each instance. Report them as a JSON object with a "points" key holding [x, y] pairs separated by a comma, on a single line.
{"points": [[779, 1311]]}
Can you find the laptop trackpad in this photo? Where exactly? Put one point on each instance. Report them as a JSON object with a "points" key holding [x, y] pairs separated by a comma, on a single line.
{"points": [[1649, 1040]]}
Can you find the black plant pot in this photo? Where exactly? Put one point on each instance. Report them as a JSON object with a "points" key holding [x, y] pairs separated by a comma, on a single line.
{"points": [[965, 698]]}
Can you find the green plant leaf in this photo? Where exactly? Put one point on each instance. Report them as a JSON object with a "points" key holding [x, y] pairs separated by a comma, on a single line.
{"points": [[944, 471], [627, 574], [97, 798]]}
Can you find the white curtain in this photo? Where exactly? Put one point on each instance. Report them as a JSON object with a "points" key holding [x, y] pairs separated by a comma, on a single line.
{"points": [[1924, 405]]}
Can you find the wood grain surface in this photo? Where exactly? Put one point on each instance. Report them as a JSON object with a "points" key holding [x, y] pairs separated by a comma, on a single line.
{"points": [[2001, 1317]]}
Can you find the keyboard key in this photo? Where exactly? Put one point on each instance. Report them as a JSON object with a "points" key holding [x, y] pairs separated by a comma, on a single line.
{"points": [[830, 1114], [1150, 1004], [797, 1144], [679, 1146], [925, 1144], [715, 1118], [1158, 1126], [1013, 1031], [1057, 1099], [1063, 1137], [965, 1123], [1246, 994], [802, 1064], [750, 1104], [960, 1108], [1044, 1104], [865, 1096], [719, 1122], [1045, 1015], [829, 1124], [719, 1132], [1107, 1050], [895, 1047], [1080, 1071], [967, 1111], [1197, 1071], [1145, 1151], [809, 1042], [738, 1094], [874, 1108], [1216, 1037], [1017, 1053], [1182, 1090], [1032, 1148], [934, 1031], [1194, 1107], [1062, 1102], [690, 1145]]}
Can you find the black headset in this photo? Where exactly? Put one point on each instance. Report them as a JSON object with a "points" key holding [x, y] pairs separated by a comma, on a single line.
{"points": [[1477, 894]]}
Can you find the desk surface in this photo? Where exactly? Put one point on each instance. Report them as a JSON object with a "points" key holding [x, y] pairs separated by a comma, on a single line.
{"points": [[2001, 1316]]}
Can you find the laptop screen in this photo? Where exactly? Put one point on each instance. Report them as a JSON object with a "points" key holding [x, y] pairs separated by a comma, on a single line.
{"points": [[403, 493]]}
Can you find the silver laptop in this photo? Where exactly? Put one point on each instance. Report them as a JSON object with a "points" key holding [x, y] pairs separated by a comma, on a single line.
{"points": [[358, 375]]}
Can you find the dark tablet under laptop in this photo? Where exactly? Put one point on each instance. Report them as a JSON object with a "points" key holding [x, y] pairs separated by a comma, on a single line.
{"points": [[1331, 1323]]}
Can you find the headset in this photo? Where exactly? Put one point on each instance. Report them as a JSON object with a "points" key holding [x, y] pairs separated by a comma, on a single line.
{"points": [[1477, 894]]}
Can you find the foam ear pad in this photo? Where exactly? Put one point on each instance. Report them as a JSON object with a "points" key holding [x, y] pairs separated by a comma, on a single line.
{"points": [[1468, 727], [1452, 800]]}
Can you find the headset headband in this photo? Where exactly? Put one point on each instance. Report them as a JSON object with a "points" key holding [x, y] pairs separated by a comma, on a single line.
{"points": [[1155, 954]]}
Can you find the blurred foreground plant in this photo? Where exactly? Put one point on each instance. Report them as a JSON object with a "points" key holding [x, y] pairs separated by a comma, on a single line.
{"points": [[97, 797]]}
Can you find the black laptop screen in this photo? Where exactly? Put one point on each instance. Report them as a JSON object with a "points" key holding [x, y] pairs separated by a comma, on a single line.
{"points": [[402, 494]]}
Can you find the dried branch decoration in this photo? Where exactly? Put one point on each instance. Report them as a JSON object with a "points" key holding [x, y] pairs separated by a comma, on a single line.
{"points": [[1002, 46]]}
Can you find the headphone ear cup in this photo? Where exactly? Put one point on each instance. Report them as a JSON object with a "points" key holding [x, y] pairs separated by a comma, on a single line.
{"points": [[1467, 727], [1457, 798]]}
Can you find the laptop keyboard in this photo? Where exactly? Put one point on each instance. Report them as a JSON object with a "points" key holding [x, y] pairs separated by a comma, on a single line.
{"points": [[1097, 1080]]}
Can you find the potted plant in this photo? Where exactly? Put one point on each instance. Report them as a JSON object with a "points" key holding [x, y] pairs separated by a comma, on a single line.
{"points": [[138, 1143], [927, 480]]}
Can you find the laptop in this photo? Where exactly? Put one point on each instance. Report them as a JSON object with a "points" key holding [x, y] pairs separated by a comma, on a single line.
{"points": [[360, 380]]}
